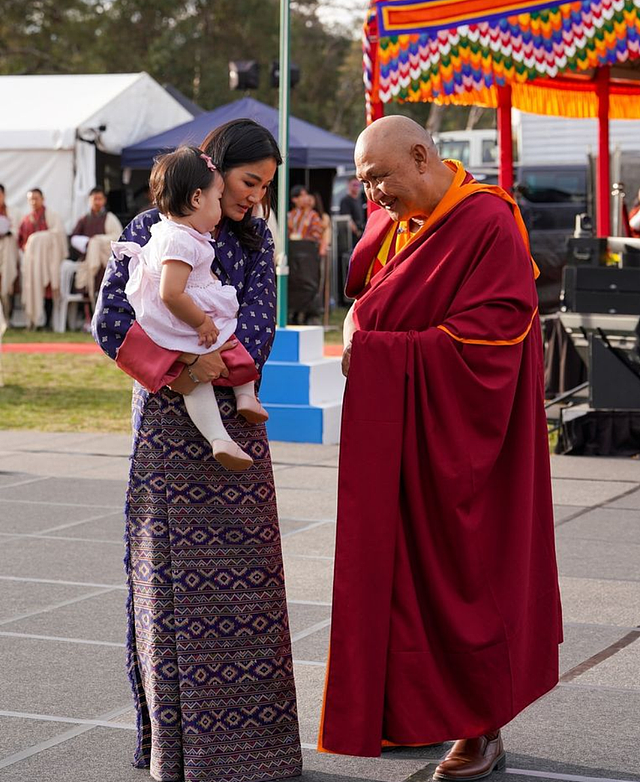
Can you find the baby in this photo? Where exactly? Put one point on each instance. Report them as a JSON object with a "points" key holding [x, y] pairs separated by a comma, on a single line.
{"points": [[175, 295]]}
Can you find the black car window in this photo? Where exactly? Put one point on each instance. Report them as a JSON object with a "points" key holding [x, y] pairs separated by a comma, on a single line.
{"points": [[545, 187]]}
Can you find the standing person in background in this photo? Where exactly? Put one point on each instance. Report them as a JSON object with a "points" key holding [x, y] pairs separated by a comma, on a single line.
{"points": [[43, 241], [352, 205], [303, 221], [315, 200], [8, 256], [325, 250], [91, 241], [305, 234]]}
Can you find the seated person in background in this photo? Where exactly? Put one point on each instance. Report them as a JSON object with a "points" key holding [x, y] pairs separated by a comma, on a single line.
{"points": [[91, 241], [8, 256], [43, 241], [352, 205], [303, 220]]}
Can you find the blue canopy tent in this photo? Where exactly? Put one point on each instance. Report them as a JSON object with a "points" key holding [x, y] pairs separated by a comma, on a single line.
{"points": [[310, 147]]}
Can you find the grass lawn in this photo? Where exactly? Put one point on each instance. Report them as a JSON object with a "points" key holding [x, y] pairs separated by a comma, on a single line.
{"points": [[68, 392], [27, 335], [64, 393], [55, 392], [336, 318]]}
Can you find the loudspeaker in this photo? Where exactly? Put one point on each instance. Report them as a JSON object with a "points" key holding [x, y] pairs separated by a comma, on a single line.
{"points": [[244, 75], [586, 251], [613, 383], [601, 289]]}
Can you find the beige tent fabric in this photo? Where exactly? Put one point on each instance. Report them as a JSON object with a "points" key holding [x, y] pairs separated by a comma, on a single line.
{"points": [[8, 264], [41, 259], [97, 255]]}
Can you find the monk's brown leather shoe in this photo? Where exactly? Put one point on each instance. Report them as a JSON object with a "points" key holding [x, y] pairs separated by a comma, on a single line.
{"points": [[471, 759]]}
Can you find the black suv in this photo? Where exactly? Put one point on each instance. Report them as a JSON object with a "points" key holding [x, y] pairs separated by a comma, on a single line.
{"points": [[549, 197]]}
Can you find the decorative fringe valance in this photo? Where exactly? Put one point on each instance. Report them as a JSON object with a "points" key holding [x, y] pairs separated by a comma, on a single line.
{"points": [[463, 65]]}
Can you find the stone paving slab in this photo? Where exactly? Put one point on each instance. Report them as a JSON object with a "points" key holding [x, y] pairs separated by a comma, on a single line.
{"points": [[309, 579], [595, 468], [49, 463], [581, 642], [609, 524], [99, 618], [631, 501], [621, 670], [20, 596], [598, 559], [62, 560], [63, 679], [70, 550], [312, 504], [108, 527], [17, 734], [313, 647], [586, 493], [318, 477], [601, 601], [595, 731], [69, 491], [297, 454], [24, 517], [318, 541], [562, 512]]}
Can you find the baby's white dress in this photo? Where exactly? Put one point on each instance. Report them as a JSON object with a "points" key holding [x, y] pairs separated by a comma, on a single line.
{"points": [[177, 242]]}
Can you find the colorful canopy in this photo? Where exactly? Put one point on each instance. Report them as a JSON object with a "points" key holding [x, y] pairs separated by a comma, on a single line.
{"points": [[460, 52]]}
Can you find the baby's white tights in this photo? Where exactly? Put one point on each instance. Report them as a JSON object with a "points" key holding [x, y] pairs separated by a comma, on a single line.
{"points": [[203, 409]]}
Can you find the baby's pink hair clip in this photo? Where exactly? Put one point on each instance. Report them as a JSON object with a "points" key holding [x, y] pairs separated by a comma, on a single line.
{"points": [[210, 164]]}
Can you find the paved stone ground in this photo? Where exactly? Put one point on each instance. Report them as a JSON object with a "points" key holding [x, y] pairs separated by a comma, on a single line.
{"points": [[65, 710]]}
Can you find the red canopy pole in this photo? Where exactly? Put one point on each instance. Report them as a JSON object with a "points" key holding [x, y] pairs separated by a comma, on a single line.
{"points": [[603, 177], [377, 111], [376, 106], [505, 138]]}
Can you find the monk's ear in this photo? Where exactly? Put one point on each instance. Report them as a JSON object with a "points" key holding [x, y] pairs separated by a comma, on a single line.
{"points": [[420, 155]]}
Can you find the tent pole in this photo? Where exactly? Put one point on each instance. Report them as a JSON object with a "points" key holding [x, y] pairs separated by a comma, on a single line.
{"points": [[505, 138], [603, 176], [282, 267]]}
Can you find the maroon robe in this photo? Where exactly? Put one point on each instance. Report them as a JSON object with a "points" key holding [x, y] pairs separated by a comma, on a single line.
{"points": [[91, 224], [446, 612]]}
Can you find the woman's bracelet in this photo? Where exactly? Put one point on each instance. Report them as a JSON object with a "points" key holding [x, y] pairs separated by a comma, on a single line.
{"points": [[192, 375]]}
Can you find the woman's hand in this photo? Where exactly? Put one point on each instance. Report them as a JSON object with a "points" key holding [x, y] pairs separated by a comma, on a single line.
{"points": [[211, 366], [207, 332], [208, 367]]}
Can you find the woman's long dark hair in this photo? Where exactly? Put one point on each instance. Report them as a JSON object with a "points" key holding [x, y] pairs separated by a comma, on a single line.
{"points": [[234, 144]]}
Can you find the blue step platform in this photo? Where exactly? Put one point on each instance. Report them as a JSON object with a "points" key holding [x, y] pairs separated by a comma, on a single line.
{"points": [[301, 389]]}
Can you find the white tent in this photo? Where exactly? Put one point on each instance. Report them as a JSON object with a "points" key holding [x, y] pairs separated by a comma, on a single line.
{"points": [[50, 127]]}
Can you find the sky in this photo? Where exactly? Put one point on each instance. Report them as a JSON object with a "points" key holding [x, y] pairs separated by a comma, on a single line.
{"points": [[349, 13]]}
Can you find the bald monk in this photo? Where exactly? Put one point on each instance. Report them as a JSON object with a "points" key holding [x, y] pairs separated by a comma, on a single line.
{"points": [[446, 611]]}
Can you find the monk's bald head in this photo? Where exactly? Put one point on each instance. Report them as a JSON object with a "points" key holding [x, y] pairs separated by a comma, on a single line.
{"points": [[398, 163], [393, 134]]}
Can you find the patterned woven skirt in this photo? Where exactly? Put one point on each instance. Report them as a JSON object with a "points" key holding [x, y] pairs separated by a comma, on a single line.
{"points": [[209, 652]]}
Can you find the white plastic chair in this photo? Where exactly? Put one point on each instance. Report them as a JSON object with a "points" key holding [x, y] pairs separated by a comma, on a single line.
{"points": [[66, 297]]}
